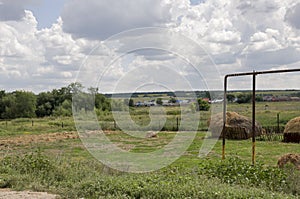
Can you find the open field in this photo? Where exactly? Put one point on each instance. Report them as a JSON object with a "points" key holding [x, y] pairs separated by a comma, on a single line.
{"points": [[48, 156], [62, 166], [266, 116]]}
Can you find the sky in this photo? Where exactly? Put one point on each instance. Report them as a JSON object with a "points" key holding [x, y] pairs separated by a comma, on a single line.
{"points": [[147, 45]]}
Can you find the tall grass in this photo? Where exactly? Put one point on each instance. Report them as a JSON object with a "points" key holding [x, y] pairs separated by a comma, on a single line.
{"points": [[89, 179]]}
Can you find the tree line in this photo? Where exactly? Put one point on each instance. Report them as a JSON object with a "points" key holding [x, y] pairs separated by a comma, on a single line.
{"points": [[58, 102]]}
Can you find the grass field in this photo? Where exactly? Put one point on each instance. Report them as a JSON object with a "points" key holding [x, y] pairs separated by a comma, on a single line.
{"points": [[34, 158]]}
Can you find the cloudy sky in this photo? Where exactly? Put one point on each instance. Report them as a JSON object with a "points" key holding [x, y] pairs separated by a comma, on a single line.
{"points": [[167, 44]]}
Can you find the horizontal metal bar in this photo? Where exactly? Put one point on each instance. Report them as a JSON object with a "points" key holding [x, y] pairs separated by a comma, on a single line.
{"points": [[262, 72], [254, 73]]}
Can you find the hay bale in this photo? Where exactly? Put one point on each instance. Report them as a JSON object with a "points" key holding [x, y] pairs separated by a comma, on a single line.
{"points": [[289, 158], [292, 131], [151, 134], [238, 127]]}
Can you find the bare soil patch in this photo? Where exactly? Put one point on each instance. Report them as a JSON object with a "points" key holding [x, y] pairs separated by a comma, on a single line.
{"points": [[28, 139], [9, 194]]}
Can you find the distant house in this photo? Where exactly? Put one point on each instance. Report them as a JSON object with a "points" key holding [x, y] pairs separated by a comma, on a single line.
{"points": [[150, 103], [184, 102], [283, 98], [165, 103], [139, 104], [295, 98], [216, 101], [269, 98]]}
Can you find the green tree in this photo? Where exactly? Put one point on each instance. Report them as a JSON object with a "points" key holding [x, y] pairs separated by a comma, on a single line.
{"points": [[75, 88], [203, 105], [244, 98], [65, 109], [102, 103], [172, 100], [2, 107], [9, 106], [45, 104], [207, 94], [19, 104], [159, 101], [230, 97], [25, 104], [129, 102]]}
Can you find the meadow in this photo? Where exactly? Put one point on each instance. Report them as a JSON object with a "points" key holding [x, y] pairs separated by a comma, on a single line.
{"points": [[63, 166]]}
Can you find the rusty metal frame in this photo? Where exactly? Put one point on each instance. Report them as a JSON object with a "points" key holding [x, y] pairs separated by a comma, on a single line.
{"points": [[254, 74]]}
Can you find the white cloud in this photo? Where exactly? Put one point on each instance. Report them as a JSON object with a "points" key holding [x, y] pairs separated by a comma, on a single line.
{"points": [[264, 41], [102, 19], [47, 56], [239, 35]]}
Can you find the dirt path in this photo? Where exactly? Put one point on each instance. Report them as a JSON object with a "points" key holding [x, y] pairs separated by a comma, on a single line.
{"points": [[8, 194], [7, 142], [28, 139]]}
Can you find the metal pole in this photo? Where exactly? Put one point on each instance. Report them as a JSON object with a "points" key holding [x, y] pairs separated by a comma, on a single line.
{"points": [[254, 73], [278, 128], [224, 117], [253, 118]]}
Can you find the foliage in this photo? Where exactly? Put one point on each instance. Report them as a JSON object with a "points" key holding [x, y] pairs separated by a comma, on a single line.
{"points": [[129, 102], [159, 101], [236, 171], [58, 102], [244, 98], [230, 97], [45, 104], [172, 100], [90, 179], [18, 104], [65, 109], [297, 94], [293, 180], [203, 105], [102, 103]]}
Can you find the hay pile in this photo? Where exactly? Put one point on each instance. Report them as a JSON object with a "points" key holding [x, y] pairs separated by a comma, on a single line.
{"points": [[292, 131], [289, 158], [238, 127], [151, 134]]}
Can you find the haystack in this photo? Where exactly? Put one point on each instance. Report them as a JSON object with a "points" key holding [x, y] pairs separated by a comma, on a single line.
{"points": [[238, 127], [289, 158], [151, 134], [292, 131]]}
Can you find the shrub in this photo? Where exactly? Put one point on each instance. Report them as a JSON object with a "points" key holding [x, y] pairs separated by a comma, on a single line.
{"points": [[236, 171], [203, 105]]}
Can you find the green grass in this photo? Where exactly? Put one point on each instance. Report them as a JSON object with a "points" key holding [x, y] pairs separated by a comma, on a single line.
{"points": [[36, 126], [286, 110], [66, 168]]}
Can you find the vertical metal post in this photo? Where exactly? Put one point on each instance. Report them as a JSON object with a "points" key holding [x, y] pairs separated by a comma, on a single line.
{"points": [[253, 118], [254, 73], [224, 117], [278, 128]]}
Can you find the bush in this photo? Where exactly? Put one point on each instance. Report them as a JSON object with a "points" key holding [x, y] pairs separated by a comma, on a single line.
{"points": [[231, 178], [203, 105], [236, 171]]}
